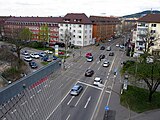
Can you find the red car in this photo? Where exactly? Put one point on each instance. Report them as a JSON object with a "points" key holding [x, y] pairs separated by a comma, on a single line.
{"points": [[61, 53], [88, 55]]}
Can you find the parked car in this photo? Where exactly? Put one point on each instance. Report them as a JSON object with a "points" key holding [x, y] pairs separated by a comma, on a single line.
{"points": [[97, 81], [42, 54], [102, 48], [25, 53], [61, 53], [106, 63], [89, 73], [76, 89], [48, 52], [27, 58], [88, 55], [90, 59], [54, 57], [47, 59], [34, 55], [111, 54], [101, 57], [33, 64], [109, 48]]}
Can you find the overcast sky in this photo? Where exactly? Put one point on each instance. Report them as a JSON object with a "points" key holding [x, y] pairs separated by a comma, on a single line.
{"points": [[62, 7]]}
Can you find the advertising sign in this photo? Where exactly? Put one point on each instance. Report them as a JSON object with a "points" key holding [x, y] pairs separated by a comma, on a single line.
{"points": [[56, 50]]}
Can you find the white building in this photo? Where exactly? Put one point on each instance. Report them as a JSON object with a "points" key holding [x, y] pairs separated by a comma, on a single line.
{"points": [[147, 27], [76, 28]]}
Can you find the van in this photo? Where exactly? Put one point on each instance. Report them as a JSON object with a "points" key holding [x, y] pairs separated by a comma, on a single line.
{"points": [[109, 48]]}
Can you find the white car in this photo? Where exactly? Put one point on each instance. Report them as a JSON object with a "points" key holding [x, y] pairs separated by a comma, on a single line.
{"points": [[27, 58], [106, 63], [97, 81], [48, 52], [34, 55]]}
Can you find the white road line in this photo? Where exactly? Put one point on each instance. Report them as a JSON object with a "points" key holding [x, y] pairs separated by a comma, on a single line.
{"points": [[46, 85], [108, 91], [68, 117], [70, 100], [108, 73], [24, 103], [112, 64], [98, 62], [58, 105], [33, 113], [80, 66], [13, 111], [81, 96], [107, 77], [32, 96], [90, 85], [39, 91], [51, 81], [87, 102], [60, 86]]}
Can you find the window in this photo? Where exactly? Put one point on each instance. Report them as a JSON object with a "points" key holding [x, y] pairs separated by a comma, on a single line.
{"points": [[79, 31], [79, 36], [74, 36], [153, 25], [80, 25], [153, 31], [61, 24], [74, 30], [85, 36]]}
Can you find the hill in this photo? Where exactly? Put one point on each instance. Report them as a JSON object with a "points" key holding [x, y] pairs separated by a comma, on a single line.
{"points": [[140, 14]]}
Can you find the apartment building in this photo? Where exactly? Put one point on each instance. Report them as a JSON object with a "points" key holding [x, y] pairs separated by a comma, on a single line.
{"points": [[76, 28], [104, 27], [35, 26], [148, 28]]}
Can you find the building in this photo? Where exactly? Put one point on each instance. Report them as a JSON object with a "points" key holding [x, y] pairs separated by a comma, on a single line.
{"points": [[76, 28], [148, 33], [104, 27], [35, 25]]}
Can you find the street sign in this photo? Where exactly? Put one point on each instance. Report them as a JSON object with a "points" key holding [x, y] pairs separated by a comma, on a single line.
{"points": [[106, 108]]}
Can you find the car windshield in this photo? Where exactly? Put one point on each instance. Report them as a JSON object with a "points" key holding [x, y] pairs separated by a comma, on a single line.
{"points": [[75, 88]]}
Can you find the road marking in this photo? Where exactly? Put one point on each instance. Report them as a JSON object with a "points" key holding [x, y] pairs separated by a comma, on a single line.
{"points": [[32, 96], [107, 77], [80, 66], [45, 85], [90, 85], [58, 105], [70, 100], [112, 64], [81, 96], [68, 117], [108, 73], [39, 91], [33, 113], [108, 91], [13, 111], [98, 62], [60, 86], [87, 102]]}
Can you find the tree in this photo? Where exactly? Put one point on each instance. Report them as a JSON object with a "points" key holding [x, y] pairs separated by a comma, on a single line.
{"points": [[44, 33], [18, 37]]}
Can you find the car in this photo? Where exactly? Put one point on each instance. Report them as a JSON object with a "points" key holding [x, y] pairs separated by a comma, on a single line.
{"points": [[101, 57], [25, 53], [90, 59], [111, 54], [97, 81], [61, 53], [46, 59], [42, 54], [89, 73], [34, 55], [27, 58], [76, 90], [88, 55], [33, 64], [54, 57], [106, 63], [117, 45], [109, 40], [109, 48], [48, 52], [102, 48]]}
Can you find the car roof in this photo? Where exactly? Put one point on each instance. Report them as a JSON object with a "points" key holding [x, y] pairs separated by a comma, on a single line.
{"points": [[97, 78], [75, 87]]}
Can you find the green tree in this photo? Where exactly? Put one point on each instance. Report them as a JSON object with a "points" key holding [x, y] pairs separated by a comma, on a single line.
{"points": [[148, 72], [44, 33]]}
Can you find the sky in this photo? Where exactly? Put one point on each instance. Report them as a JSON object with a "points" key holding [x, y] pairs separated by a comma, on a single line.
{"points": [[47, 8]]}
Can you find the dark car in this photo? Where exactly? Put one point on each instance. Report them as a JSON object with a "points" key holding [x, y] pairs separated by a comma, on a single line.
{"points": [[46, 59], [101, 57], [102, 48], [76, 90], [54, 57], [89, 73], [33, 64], [111, 54]]}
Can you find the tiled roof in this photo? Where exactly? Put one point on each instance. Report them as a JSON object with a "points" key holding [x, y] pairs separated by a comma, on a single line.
{"points": [[76, 18], [105, 20], [35, 19], [150, 18]]}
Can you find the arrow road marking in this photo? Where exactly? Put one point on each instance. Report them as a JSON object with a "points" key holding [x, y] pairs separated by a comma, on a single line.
{"points": [[87, 102]]}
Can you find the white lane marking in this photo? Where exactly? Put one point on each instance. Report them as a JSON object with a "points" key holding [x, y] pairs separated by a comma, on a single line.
{"points": [[81, 96], [33, 113], [87, 102], [60, 86], [58, 105], [32, 96], [46, 85], [98, 62], [99, 67], [108, 91], [4, 119], [108, 73], [24, 103], [51, 81], [13, 111], [39, 91], [70, 100], [80, 66], [68, 117], [90, 85], [107, 77], [112, 64]]}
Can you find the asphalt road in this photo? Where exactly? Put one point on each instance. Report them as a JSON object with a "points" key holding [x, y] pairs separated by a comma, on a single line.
{"points": [[51, 100]]}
